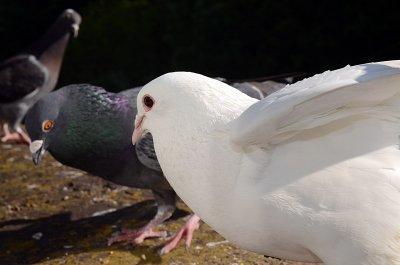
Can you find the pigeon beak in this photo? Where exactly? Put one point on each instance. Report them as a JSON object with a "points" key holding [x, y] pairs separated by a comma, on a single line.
{"points": [[75, 30], [138, 132], [37, 151]]}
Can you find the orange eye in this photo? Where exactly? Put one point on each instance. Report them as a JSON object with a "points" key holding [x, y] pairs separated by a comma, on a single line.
{"points": [[47, 125]]}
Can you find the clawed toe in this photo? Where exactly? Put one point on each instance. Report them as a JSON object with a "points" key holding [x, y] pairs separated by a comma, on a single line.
{"points": [[135, 237], [186, 232], [15, 137]]}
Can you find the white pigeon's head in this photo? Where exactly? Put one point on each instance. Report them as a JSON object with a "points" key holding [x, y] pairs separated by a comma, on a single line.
{"points": [[175, 100]]}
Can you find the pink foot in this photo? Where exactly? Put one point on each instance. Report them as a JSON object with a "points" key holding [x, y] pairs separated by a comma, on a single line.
{"points": [[186, 232], [20, 136], [136, 237], [14, 137]]}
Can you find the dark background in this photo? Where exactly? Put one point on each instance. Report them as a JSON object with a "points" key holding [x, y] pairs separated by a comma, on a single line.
{"points": [[124, 43]]}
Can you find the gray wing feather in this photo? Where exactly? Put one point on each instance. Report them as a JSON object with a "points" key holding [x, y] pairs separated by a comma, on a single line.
{"points": [[21, 76], [146, 153]]}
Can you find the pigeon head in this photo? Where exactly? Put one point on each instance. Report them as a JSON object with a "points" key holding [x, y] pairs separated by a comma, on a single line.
{"points": [[69, 21], [43, 124], [171, 101]]}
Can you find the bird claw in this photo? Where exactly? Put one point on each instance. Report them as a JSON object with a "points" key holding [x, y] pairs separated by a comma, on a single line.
{"points": [[186, 232], [135, 237], [19, 137], [14, 137]]}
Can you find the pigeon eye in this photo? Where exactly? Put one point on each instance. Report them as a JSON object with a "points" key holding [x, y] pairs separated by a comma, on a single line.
{"points": [[148, 102], [47, 125]]}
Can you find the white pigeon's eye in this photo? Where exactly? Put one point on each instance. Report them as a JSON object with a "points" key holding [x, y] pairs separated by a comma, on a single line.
{"points": [[47, 125], [148, 102]]}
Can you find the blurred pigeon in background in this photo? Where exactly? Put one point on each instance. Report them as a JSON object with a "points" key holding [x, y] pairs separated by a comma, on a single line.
{"points": [[27, 77], [258, 90], [261, 87]]}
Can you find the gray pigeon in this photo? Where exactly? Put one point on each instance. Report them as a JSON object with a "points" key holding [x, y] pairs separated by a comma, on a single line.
{"points": [[30, 75], [88, 128]]}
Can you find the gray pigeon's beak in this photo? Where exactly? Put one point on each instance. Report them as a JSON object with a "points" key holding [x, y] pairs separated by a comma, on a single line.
{"points": [[75, 30], [37, 151], [138, 132]]}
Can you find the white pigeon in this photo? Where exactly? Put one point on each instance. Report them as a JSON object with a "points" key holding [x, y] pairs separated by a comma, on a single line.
{"points": [[310, 173]]}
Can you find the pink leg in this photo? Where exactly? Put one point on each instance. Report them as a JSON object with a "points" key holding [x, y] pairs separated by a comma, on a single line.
{"points": [[20, 136], [136, 237], [25, 137], [186, 232]]}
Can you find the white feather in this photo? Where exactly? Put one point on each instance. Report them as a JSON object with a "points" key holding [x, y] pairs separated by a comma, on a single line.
{"points": [[317, 101]]}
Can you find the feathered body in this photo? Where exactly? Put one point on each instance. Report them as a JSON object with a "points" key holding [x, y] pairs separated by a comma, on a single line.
{"points": [[90, 130], [310, 173]]}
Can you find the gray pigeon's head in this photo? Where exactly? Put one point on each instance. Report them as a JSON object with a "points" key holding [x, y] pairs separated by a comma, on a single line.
{"points": [[68, 21], [42, 122]]}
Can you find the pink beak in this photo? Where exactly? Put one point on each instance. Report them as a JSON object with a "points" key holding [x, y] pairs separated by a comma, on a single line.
{"points": [[137, 133]]}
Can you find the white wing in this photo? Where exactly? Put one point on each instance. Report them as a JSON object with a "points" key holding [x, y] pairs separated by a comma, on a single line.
{"points": [[318, 101]]}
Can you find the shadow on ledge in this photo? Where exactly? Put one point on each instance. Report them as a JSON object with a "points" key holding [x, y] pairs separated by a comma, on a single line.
{"points": [[29, 241]]}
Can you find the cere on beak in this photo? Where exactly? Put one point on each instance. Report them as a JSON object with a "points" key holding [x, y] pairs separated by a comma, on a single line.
{"points": [[137, 133], [75, 30], [37, 151]]}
